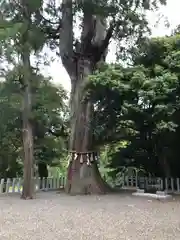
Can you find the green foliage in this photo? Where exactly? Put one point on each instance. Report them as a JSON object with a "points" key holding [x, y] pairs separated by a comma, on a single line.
{"points": [[48, 119], [128, 19], [140, 105]]}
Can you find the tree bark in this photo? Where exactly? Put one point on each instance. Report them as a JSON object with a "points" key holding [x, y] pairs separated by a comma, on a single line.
{"points": [[28, 180], [28, 183], [83, 175]]}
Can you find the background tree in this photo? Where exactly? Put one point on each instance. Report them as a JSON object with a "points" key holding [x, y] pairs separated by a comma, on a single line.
{"points": [[49, 123], [139, 105], [20, 22]]}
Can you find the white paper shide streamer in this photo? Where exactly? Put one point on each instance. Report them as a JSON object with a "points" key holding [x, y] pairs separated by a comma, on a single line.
{"points": [[81, 158]]}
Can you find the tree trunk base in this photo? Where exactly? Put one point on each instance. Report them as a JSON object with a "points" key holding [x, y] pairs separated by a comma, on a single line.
{"points": [[86, 180], [26, 197]]}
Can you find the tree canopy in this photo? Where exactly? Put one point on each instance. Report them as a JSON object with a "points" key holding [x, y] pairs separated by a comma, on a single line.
{"points": [[139, 105], [49, 120]]}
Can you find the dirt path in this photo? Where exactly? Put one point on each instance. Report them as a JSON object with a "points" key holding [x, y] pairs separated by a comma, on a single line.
{"points": [[54, 216]]}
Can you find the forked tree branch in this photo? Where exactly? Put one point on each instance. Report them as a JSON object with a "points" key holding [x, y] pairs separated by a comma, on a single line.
{"points": [[106, 41]]}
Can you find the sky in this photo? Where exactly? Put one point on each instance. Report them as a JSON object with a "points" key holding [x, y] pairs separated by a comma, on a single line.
{"points": [[171, 11]]}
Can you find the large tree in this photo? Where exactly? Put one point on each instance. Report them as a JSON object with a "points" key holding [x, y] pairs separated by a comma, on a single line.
{"points": [[21, 37], [99, 21]]}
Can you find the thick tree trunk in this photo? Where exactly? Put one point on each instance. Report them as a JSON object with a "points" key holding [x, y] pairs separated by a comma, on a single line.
{"points": [[28, 182], [79, 60], [83, 175]]}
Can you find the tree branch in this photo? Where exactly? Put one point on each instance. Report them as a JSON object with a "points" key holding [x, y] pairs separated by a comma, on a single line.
{"points": [[66, 35], [105, 42], [87, 32]]}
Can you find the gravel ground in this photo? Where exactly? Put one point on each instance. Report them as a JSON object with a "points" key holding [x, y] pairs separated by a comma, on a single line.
{"points": [[54, 216]]}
